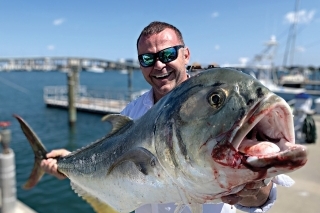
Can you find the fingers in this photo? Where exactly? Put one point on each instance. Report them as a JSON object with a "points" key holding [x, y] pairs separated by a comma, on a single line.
{"points": [[50, 165], [248, 192], [258, 184], [253, 188], [231, 199], [254, 193], [255, 185], [58, 153]]}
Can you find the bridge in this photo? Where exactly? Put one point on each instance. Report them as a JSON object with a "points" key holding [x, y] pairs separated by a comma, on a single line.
{"points": [[65, 64]]}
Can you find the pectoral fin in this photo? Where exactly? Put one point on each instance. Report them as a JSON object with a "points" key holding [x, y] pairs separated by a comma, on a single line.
{"points": [[96, 204], [141, 157]]}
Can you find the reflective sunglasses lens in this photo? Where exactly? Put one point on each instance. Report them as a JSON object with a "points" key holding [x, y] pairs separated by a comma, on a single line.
{"points": [[146, 60], [168, 55]]}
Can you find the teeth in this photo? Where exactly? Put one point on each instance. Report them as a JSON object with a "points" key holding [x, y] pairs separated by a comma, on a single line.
{"points": [[163, 75]]}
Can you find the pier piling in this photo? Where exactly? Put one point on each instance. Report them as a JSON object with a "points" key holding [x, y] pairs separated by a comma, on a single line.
{"points": [[73, 78], [130, 72], [7, 174]]}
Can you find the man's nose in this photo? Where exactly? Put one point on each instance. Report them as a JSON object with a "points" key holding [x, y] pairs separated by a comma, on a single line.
{"points": [[159, 65]]}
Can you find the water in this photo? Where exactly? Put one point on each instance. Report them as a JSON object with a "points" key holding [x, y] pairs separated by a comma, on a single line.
{"points": [[21, 93]]}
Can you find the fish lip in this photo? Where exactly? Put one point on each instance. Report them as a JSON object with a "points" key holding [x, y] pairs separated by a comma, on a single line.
{"points": [[258, 112]]}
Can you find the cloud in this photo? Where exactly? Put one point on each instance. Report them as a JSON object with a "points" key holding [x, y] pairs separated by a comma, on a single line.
{"points": [[214, 14], [58, 22], [302, 16], [300, 49], [51, 47], [217, 47], [243, 60]]}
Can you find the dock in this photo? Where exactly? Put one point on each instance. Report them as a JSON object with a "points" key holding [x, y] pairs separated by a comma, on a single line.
{"points": [[103, 102], [304, 195], [95, 105]]}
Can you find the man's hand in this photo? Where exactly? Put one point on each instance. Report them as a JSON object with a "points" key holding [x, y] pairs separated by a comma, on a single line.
{"points": [[254, 194], [50, 165]]}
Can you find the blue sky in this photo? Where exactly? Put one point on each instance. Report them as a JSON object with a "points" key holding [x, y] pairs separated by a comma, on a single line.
{"points": [[215, 31]]}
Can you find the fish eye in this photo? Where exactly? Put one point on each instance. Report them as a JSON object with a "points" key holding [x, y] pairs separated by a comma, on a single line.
{"points": [[216, 99]]}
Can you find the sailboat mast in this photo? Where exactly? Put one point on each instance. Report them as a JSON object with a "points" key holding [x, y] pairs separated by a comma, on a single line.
{"points": [[290, 46]]}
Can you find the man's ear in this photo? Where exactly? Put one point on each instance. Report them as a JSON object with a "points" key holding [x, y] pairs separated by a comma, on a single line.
{"points": [[186, 55]]}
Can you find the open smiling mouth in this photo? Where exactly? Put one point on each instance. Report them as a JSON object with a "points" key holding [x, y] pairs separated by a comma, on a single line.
{"points": [[162, 76]]}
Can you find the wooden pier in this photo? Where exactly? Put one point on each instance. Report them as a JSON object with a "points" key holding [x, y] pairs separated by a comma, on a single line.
{"points": [[103, 102], [97, 105]]}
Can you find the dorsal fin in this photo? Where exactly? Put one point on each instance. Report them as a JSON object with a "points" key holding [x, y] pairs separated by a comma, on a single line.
{"points": [[117, 121]]}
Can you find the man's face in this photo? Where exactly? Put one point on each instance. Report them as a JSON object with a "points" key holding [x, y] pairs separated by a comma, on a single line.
{"points": [[163, 77]]}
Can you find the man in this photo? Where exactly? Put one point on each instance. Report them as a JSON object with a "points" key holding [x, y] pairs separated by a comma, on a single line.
{"points": [[163, 57]]}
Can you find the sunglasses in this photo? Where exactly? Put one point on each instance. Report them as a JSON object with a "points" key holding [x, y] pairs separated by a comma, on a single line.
{"points": [[165, 56]]}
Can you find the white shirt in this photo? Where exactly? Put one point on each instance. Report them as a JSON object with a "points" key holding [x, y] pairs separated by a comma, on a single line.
{"points": [[138, 108]]}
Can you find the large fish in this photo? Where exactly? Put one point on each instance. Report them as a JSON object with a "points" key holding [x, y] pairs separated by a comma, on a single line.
{"points": [[206, 139]]}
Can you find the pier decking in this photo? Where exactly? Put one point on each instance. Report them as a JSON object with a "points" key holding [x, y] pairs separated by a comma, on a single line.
{"points": [[97, 105], [103, 102]]}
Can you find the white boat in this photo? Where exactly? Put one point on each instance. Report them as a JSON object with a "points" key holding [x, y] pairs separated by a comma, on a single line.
{"points": [[263, 67], [265, 77], [124, 71], [294, 77], [287, 93], [95, 69]]}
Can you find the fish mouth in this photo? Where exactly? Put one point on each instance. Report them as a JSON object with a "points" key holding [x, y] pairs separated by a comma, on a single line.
{"points": [[265, 137]]}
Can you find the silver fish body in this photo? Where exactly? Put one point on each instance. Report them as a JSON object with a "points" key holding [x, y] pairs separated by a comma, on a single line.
{"points": [[204, 140]]}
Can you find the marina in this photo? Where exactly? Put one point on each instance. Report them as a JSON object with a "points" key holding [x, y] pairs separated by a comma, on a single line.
{"points": [[64, 63], [22, 93], [28, 94], [104, 103]]}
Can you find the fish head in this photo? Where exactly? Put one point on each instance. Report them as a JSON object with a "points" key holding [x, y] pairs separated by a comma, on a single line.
{"points": [[222, 129]]}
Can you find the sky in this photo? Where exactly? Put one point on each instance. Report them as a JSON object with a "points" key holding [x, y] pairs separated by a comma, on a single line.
{"points": [[221, 32]]}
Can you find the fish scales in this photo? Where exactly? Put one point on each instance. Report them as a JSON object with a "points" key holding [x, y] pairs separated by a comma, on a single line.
{"points": [[192, 147]]}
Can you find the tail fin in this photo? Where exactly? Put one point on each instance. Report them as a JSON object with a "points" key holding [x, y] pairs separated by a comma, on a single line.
{"points": [[39, 153]]}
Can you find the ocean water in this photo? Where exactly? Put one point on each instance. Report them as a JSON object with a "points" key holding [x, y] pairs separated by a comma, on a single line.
{"points": [[22, 93]]}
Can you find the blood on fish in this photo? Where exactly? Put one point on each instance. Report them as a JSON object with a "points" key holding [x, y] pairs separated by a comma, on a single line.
{"points": [[225, 154]]}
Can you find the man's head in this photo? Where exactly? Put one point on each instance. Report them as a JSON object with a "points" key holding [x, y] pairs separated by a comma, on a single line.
{"points": [[166, 69]]}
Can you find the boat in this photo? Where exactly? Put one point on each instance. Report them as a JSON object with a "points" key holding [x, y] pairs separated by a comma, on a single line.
{"points": [[124, 71], [294, 79], [262, 68], [95, 69], [264, 75]]}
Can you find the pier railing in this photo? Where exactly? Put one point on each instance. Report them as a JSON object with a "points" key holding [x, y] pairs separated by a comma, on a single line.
{"points": [[100, 101]]}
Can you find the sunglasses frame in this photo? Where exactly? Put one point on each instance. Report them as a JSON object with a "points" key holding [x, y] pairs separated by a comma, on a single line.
{"points": [[159, 55]]}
